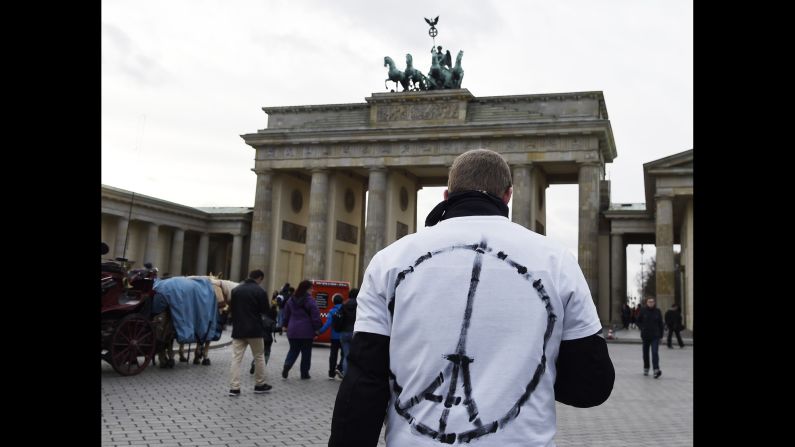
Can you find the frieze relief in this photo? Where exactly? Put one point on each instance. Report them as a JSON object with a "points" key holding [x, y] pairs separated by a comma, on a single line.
{"points": [[417, 112], [393, 113], [316, 151], [543, 143], [429, 148], [439, 147]]}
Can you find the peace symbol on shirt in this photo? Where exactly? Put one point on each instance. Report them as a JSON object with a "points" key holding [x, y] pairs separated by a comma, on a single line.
{"points": [[460, 364]]}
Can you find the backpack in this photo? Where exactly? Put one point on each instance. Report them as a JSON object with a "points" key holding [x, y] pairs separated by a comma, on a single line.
{"points": [[338, 321]]}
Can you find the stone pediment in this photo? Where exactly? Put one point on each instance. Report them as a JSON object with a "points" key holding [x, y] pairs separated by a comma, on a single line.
{"points": [[669, 176], [682, 162]]}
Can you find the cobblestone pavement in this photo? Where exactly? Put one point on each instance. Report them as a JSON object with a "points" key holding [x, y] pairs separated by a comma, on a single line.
{"points": [[189, 406]]}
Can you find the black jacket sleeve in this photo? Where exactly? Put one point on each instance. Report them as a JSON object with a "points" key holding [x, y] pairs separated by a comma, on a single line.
{"points": [[363, 396], [585, 373]]}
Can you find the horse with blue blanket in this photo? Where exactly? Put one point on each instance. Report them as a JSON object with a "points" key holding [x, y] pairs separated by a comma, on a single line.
{"points": [[191, 306]]}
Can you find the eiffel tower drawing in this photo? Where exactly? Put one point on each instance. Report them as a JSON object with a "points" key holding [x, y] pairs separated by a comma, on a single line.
{"points": [[460, 364]]}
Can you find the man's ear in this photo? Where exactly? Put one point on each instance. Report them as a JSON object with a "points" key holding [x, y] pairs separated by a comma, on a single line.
{"points": [[446, 194], [506, 196]]}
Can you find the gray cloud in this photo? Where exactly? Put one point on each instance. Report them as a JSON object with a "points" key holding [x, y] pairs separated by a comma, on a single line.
{"points": [[121, 55]]}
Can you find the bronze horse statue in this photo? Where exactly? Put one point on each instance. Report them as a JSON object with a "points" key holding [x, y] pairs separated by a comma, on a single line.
{"points": [[440, 77], [395, 75], [457, 73], [415, 77]]}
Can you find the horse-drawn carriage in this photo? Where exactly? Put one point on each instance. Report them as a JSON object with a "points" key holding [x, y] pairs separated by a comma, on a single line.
{"points": [[128, 337], [143, 315]]}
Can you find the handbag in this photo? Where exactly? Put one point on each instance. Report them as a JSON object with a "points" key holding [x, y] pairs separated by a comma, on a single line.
{"points": [[269, 325]]}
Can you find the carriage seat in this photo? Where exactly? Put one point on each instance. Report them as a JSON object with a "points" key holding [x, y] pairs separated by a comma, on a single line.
{"points": [[112, 267]]}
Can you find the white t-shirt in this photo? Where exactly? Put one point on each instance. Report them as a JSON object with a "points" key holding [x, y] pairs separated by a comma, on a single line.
{"points": [[523, 292]]}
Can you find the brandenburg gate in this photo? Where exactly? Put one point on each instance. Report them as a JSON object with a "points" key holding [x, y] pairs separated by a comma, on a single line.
{"points": [[315, 163]]}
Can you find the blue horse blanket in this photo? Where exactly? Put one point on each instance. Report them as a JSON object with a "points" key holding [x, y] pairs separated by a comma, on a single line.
{"points": [[194, 310]]}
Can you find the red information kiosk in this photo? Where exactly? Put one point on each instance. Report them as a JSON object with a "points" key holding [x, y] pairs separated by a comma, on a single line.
{"points": [[323, 291]]}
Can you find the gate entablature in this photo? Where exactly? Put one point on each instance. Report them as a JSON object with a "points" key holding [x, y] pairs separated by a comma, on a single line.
{"points": [[428, 128], [402, 141]]}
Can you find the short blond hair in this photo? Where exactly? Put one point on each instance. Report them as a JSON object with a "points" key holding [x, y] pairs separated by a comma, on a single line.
{"points": [[479, 170]]}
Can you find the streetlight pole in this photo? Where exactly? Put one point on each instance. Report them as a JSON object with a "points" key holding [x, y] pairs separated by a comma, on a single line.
{"points": [[641, 274]]}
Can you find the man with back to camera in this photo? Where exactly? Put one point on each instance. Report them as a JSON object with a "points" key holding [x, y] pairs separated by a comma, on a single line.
{"points": [[249, 301], [471, 328], [673, 320]]}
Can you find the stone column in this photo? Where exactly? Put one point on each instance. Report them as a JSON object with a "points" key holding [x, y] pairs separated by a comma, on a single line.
{"points": [[204, 253], [362, 226], [587, 243], [524, 196], [121, 237], [262, 226], [375, 231], [177, 245], [665, 251], [237, 253], [151, 244], [316, 234], [618, 283]]}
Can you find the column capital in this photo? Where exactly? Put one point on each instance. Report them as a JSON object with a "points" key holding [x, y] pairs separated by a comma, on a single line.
{"points": [[590, 163], [319, 170], [262, 171], [378, 168], [664, 195]]}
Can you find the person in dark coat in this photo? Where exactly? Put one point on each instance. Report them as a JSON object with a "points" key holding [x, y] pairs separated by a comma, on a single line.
{"points": [[650, 322], [626, 313], [673, 319], [301, 320], [346, 335], [249, 302]]}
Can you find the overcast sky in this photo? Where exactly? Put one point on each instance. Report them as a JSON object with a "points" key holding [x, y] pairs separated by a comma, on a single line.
{"points": [[182, 80]]}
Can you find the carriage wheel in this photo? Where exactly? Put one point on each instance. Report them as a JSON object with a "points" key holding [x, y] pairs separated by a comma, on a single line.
{"points": [[132, 345]]}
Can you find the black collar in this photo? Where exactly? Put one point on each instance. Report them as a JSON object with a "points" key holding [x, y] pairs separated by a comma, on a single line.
{"points": [[467, 203]]}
